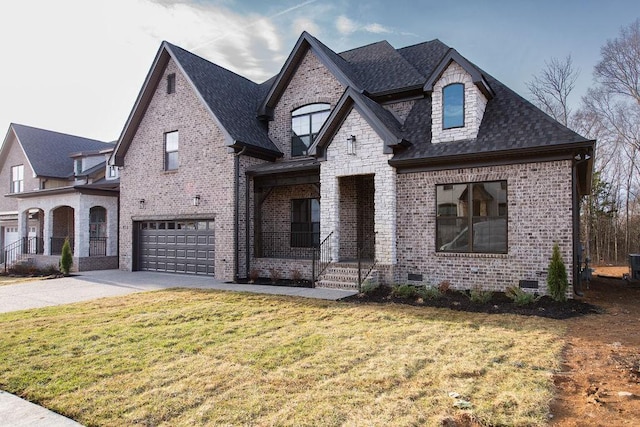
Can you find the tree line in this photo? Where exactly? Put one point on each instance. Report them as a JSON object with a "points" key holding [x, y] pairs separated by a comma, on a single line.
{"points": [[610, 113]]}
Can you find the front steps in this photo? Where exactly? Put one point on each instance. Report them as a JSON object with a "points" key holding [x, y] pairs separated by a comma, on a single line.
{"points": [[343, 275]]}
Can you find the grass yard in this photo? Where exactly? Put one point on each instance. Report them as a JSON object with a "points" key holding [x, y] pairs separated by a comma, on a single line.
{"points": [[189, 357]]}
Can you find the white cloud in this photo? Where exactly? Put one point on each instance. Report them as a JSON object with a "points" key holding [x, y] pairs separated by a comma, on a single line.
{"points": [[376, 28], [345, 25], [304, 24]]}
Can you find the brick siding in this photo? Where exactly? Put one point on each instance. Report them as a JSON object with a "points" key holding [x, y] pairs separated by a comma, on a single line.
{"points": [[539, 214]]}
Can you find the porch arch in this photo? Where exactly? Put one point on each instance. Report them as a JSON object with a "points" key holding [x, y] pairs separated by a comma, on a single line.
{"points": [[62, 227]]}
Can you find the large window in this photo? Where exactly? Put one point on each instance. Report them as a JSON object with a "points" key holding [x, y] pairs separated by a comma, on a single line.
{"points": [[305, 124], [171, 150], [453, 106], [17, 179], [472, 217], [305, 223]]}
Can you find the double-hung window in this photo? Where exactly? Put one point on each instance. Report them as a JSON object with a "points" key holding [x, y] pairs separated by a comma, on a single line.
{"points": [[472, 217], [305, 223], [171, 150], [305, 124], [17, 179]]}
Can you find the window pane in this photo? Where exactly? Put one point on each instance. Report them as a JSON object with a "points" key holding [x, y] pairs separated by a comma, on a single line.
{"points": [[172, 160], [317, 120], [489, 234], [310, 109], [452, 234], [300, 125], [299, 145], [453, 106], [171, 141]]}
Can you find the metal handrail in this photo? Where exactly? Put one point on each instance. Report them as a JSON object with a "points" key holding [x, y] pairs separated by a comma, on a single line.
{"points": [[20, 249], [321, 257], [361, 247]]}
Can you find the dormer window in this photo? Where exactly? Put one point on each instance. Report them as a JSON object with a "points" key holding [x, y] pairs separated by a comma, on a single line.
{"points": [[78, 166], [453, 106], [305, 123]]}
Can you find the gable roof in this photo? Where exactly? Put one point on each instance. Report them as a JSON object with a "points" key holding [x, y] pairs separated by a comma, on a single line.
{"points": [[49, 152], [453, 56], [381, 120], [231, 99], [337, 65]]}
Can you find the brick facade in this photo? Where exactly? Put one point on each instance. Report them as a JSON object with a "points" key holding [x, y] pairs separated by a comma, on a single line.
{"points": [[474, 105], [206, 168], [312, 83], [539, 214]]}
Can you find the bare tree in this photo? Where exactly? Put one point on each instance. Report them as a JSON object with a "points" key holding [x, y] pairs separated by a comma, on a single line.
{"points": [[551, 88], [618, 72]]}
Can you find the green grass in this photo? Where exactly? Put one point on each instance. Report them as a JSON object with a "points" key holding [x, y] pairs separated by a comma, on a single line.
{"points": [[189, 357]]}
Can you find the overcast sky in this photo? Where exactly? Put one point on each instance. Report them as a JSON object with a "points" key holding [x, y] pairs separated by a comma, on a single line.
{"points": [[76, 66]]}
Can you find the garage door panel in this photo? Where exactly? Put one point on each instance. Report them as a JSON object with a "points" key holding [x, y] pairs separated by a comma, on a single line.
{"points": [[176, 249]]}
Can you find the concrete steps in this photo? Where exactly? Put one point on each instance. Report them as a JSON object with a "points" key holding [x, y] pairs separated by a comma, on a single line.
{"points": [[340, 276]]}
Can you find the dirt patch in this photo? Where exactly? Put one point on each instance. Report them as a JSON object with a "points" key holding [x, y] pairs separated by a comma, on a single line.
{"points": [[610, 271], [600, 381]]}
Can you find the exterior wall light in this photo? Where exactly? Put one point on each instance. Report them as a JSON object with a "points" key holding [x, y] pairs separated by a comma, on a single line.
{"points": [[141, 203], [351, 145], [196, 200]]}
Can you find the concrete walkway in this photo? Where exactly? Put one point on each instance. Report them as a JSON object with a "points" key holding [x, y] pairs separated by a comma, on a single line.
{"points": [[91, 285]]}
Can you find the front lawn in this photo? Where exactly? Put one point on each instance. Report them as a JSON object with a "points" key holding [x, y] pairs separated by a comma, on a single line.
{"points": [[190, 357]]}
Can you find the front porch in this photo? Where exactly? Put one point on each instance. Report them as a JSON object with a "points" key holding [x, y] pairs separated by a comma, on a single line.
{"points": [[46, 221], [286, 230]]}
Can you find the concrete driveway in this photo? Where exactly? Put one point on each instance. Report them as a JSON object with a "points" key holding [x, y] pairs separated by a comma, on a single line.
{"points": [[90, 285]]}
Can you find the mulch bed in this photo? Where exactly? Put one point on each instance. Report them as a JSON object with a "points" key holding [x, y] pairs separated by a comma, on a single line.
{"points": [[499, 303]]}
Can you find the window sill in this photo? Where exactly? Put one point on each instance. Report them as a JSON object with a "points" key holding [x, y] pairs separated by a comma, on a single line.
{"points": [[171, 171], [471, 255]]}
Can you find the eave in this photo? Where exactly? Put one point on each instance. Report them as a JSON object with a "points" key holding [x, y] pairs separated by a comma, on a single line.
{"points": [[454, 56]]}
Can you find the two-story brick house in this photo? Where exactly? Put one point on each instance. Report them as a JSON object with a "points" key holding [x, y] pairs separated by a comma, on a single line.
{"points": [[413, 160], [57, 186]]}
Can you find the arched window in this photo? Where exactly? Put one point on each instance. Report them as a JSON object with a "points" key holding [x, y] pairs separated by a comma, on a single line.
{"points": [[453, 106], [305, 123]]}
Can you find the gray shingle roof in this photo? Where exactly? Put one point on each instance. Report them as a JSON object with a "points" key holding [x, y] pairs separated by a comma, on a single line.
{"points": [[48, 151], [232, 98], [378, 67]]}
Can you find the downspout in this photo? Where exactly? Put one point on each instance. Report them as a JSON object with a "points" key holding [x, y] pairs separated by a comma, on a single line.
{"points": [[575, 199], [246, 226], [236, 210]]}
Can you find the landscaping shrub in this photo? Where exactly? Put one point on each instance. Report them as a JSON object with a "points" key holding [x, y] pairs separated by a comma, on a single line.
{"points": [[66, 260], [296, 276], [274, 275], [429, 292], [520, 297], [404, 291], [444, 286], [557, 281], [480, 296], [369, 287], [254, 275], [23, 269]]}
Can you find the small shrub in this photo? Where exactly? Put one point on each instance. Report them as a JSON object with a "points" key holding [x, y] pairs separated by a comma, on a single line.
{"points": [[444, 286], [369, 287], [275, 275], [66, 260], [429, 292], [480, 296], [23, 269], [557, 281], [254, 274], [404, 291], [519, 297], [296, 276]]}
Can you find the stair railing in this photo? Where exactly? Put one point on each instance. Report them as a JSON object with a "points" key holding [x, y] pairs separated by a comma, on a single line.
{"points": [[365, 265], [321, 258], [21, 249]]}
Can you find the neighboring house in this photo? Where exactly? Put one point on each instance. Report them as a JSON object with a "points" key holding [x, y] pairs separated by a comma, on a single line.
{"points": [[413, 160], [58, 186]]}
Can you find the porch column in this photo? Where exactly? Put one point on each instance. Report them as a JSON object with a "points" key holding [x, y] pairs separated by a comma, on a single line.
{"points": [[385, 215], [23, 223], [329, 211], [48, 231], [81, 229]]}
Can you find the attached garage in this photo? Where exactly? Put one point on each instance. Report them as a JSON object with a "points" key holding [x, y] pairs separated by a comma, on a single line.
{"points": [[178, 246]]}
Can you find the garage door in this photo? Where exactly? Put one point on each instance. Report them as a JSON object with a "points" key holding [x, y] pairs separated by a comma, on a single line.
{"points": [[179, 246]]}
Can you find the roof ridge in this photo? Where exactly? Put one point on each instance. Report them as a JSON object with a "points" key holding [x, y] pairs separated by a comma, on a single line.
{"points": [[58, 133], [366, 45], [436, 40]]}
